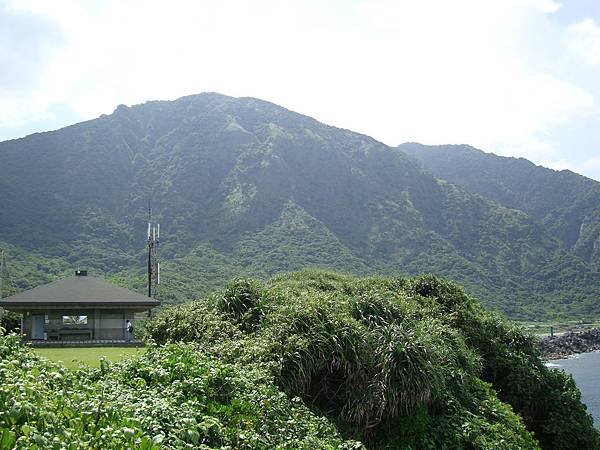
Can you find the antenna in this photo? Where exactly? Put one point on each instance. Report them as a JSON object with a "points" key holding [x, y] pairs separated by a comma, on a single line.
{"points": [[153, 265], [149, 219]]}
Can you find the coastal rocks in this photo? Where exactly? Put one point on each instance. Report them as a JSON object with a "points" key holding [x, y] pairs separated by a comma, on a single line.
{"points": [[570, 343]]}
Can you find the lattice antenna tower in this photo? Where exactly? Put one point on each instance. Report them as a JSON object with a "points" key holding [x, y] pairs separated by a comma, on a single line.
{"points": [[153, 263]]}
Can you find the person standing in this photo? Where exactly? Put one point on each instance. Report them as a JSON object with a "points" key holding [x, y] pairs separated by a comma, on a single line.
{"points": [[128, 330]]}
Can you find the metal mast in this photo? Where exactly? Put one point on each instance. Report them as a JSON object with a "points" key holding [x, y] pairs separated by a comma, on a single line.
{"points": [[153, 264]]}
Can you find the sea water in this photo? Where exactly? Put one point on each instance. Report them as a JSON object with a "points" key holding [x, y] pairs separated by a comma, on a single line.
{"points": [[585, 369]]}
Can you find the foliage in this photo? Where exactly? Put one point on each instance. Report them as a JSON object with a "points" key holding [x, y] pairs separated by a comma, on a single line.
{"points": [[397, 362], [566, 203], [310, 359], [10, 320], [480, 420], [241, 301], [513, 366], [170, 397], [196, 322]]}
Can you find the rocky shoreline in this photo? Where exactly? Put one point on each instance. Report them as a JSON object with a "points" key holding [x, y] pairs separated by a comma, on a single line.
{"points": [[570, 343]]}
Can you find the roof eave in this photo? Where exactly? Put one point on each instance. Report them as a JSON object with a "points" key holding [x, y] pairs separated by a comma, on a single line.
{"points": [[73, 304]]}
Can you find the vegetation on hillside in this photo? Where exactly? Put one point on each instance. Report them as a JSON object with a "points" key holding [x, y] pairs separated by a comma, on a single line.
{"points": [[393, 362], [567, 204], [242, 186]]}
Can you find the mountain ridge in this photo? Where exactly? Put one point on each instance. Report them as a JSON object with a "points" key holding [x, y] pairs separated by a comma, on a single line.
{"points": [[568, 204], [239, 178]]}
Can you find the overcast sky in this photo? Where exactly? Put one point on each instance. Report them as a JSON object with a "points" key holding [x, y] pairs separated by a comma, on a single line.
{"points": [[519, 78]]}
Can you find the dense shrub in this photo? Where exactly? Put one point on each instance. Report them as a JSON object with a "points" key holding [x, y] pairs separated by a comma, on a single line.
{"points": [[547, 399], [240, 301], [396, 363], [171, 397], [195, 322], [309, 360], [365, 368]]}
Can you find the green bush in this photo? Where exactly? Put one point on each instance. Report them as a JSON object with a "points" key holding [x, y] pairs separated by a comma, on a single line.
{"points": [[240, 301], [170, 397], [192, 322], [308, 360], [547, 399], [396, 363]]}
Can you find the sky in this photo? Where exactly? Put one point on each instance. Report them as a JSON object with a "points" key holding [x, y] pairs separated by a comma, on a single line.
{"points": [[512, 77]]}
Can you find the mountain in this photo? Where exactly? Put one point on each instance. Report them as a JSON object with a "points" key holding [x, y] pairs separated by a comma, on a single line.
{"points": [[565, 203], [245, 187]]}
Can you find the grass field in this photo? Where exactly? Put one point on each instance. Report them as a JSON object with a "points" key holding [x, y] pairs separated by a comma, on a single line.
{"points": [[71, 357]]}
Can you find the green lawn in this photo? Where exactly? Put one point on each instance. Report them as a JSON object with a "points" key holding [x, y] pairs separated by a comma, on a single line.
{"points": [[71, 357]]}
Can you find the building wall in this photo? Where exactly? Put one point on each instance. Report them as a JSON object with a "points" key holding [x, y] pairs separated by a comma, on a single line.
{"points": [[26, 329], [112, 323], [101, 324]]}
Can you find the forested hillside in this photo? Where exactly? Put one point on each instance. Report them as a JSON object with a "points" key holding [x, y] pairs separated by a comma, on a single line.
{"points": [[567, 204], [242, 186]]}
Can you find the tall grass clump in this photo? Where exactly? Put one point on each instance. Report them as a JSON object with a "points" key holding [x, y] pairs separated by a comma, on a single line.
{"points": [[547, 399], [364, 360], [394, 362], [241, 302]]}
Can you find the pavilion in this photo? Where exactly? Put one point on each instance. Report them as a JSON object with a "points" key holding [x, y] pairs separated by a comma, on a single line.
{"points": [[77, 308]]}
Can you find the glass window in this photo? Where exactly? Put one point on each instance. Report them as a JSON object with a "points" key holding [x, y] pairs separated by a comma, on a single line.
{"points": [[74, 320]]}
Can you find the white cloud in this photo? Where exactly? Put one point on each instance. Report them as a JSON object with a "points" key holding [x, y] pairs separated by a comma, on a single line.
{"points": [[448, 74], [590, 164], [429, 71], [547, 6], [28, 42], [534, 106], [583, 40]]}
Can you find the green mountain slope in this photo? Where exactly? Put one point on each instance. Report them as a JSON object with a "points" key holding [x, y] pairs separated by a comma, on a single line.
{"points": [[567, 204], [242, 186]]}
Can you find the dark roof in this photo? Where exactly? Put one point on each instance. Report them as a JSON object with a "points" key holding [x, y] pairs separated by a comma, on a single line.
{"points": [[80, 290]]}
